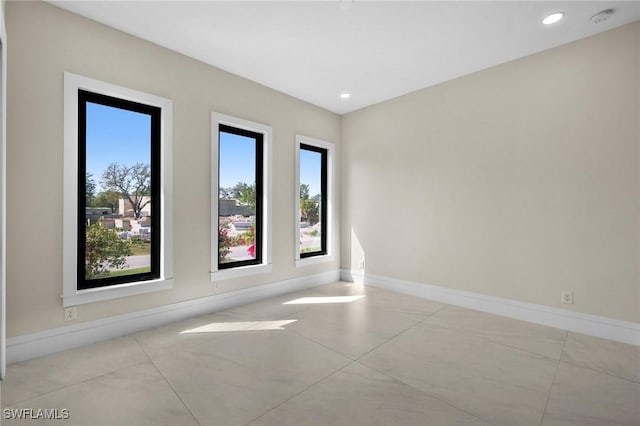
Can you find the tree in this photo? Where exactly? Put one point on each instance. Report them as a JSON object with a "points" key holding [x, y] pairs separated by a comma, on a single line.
{"points": [[109, 199], [90, 189], [309, 206], [304, 191], [225, 192], [310, 210], [244, 193], [247, 196], [104, 251], [132, 182]]}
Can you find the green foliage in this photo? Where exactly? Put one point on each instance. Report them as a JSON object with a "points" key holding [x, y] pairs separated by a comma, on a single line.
{"points": [[304, 191], [310, 209], [109, 199], [309, 206], [90, 189], [104, 251], [251, 238], [129, 271], [224, 242], [248, 196], [139, 247], [242, 192]]}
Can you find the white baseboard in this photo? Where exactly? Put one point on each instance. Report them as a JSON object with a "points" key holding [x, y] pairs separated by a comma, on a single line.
{"points": [[21, 348], [607, 328]]}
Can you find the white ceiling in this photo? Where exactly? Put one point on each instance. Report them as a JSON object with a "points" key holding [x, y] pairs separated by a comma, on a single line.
{"points": [[373, 50]]}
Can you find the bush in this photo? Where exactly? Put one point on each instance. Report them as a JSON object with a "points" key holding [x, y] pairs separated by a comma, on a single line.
{"points": [[104, 251], [250, 237], [224, 242]]}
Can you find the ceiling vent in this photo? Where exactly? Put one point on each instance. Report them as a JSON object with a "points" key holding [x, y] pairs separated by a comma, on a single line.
{"points": [[602, 16]]}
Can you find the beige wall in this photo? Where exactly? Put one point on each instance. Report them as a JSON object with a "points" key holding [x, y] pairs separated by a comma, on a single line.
{"points": [[518, 181], [45, 42]]}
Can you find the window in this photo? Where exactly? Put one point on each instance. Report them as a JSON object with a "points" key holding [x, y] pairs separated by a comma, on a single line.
{"points": [[239, 197], [240, 183], [314, 195], [313, 201], [117, 191]]}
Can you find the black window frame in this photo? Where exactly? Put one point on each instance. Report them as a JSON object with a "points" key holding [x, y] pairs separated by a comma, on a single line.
{"points": [[324, 161], [84, 97], [259, 174]]}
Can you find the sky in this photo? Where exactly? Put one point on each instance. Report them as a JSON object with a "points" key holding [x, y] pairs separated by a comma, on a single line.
{"points": [[116, 135], [124, 137], [310, 170], [237, 155]]}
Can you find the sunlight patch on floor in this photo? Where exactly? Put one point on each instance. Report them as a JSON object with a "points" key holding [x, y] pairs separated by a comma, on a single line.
{"points": [[328, 299], [219, 327]]}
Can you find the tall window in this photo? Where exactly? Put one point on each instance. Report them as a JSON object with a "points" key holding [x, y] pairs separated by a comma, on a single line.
{"points": [[313, 201], [240, 199], [240, 194], [117, 227], [118, 191]]}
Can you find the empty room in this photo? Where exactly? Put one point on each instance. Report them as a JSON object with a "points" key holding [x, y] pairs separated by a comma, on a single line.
{"points": [[320, 213]]}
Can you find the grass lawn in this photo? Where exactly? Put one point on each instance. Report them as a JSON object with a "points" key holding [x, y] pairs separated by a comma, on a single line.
{"points": [[310, 249], [140, 249], [129, 271]]}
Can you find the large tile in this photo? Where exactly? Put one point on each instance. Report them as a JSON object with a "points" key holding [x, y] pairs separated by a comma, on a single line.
{"points": [[353, 329], [340, 288], [371, 296], [274, 308], [583, 397], [523, 335], [383, 299], [136, 396], [603, 355], [275, 353], [237, 377], [499, 384], [358, 395], [287, 305], [175, 336], [35, 377]]}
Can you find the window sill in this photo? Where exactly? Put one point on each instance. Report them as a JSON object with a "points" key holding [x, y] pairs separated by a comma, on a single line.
{"points": [[314, 260], [117, 291], [243, 271]]}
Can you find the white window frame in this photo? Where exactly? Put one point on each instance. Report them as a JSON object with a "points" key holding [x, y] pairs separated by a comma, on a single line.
{"points": [[267, 132], [330, 147], [71, 295]]}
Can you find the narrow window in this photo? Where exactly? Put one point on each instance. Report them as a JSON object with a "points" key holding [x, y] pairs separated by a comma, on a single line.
{"points": [[312, 201], [119, 215], [240, 197]]}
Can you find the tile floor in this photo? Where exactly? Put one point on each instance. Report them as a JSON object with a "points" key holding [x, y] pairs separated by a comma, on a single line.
{"points": [[364, 357]]}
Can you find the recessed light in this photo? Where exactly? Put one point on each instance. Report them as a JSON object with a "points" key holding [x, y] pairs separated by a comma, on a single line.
{"points": [[345, 95], [553, 18]]}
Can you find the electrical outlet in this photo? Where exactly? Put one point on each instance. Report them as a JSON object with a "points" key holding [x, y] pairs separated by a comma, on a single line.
{"points": [[362, 264], [70, 313], [567, 297]]}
